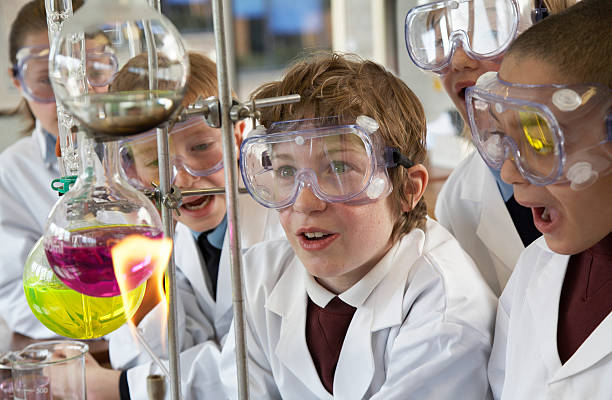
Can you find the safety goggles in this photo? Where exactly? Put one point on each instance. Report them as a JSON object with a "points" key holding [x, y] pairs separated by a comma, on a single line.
{"points": [[32, 70], [194, 149], [338, 163], [484, 29], [554, 133]]}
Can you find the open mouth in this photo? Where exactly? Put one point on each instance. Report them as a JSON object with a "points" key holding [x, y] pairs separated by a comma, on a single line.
{"points": [[545, 218], [461, 93], [313, 236], [197, 204]]}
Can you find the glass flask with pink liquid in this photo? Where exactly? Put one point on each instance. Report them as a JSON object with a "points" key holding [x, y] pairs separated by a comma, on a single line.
{"points": [[96, 213]]}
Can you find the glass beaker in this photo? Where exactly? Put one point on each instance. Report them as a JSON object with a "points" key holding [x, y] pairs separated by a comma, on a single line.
{"points": [[6, 380], [50, 370]]}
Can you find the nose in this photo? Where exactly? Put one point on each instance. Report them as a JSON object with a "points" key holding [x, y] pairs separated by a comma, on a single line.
{"points": [[182, 178], [307, 202], [510, 173], [461, 61]]}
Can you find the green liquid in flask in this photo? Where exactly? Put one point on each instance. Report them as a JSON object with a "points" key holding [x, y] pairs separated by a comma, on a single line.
{"points": [[75, 315]]}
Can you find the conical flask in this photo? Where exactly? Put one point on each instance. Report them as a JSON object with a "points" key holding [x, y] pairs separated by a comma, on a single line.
{"points": [[68, 312], [135, 70], [99, 210]]}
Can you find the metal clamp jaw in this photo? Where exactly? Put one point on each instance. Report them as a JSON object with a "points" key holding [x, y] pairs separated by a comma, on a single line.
{"points": [[210, 109]]}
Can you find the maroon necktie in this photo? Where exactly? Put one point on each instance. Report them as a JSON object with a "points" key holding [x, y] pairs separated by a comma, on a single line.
{"points": [[325, 332]]}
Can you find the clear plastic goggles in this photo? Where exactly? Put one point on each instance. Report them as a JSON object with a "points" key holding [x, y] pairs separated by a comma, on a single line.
{"points": [[32, 70], [554, 133], [194, 148], [484, 28], [338, 163]]}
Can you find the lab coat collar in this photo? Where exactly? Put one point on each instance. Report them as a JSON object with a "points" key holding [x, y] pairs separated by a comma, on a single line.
{"points": [[379, 306], [495, 229], [548, 286], [384, 296]]}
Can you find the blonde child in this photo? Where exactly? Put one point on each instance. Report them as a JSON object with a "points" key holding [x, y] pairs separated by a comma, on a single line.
{"points": [[365, 297], [200, 250], [546, 120]]}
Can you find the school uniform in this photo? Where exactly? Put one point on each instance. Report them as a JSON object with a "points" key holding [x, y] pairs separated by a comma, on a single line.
{"points": [[204, 317], [26, 170], [421, 328], [525, 361], [471, 207]]}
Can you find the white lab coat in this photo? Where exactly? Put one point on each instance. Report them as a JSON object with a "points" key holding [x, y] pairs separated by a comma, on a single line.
{"points": [[26, 197], [203, 322], [524, 361], [472, 209], [423, 332]]}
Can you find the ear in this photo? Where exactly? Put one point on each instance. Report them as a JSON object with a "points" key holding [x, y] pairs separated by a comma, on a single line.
{"points": [[14, 78], [239, 128], [414, 186]]}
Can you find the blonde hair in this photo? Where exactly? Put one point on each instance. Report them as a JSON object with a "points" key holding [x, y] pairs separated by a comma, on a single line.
{"points": [[556, 6], [202, 80], [332, 84]]}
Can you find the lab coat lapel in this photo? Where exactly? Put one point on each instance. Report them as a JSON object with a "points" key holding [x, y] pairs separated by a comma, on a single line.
{"points": [[288, 299], [224, 283], [381, 310], [188, 259], [254, 227], [597, 346], [543, 299], [355, 367], [495, 227]]}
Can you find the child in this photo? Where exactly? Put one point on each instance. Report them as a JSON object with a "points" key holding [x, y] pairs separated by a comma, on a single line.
{"points": [[480, 211], [366, 297], [551, 132], [200, 251], [27, 167]]}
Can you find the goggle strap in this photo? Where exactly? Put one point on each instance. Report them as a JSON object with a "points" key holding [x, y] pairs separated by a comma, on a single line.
{"points": [[394, 157], [609, 127]]}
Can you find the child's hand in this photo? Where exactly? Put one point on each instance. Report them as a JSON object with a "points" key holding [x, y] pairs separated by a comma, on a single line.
{"points": [[102, 383]]}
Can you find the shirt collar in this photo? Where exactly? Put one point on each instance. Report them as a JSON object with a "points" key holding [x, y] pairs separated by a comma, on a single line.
{"points": [[216, 235], [506, 190], [47, 145], [357, 294]]}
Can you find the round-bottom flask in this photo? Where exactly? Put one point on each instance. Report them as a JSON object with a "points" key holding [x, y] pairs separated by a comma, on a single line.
{"points": [[100, 210], [68, 312]]}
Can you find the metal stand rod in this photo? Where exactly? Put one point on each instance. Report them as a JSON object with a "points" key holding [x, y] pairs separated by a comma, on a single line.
{"points": [[166, 213], [231, 197], [209, 191]]}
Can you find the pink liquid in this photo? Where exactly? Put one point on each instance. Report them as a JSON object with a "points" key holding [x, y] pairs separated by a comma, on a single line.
{"points": [[89, 270]]}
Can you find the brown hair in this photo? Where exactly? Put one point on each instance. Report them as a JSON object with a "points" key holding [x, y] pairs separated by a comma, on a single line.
{"points": [[202, 79], [331, 84], [32, 18], [576, 42]]}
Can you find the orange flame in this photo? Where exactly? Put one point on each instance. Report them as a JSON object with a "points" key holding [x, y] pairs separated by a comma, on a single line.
{"points": [[127, 255]]}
